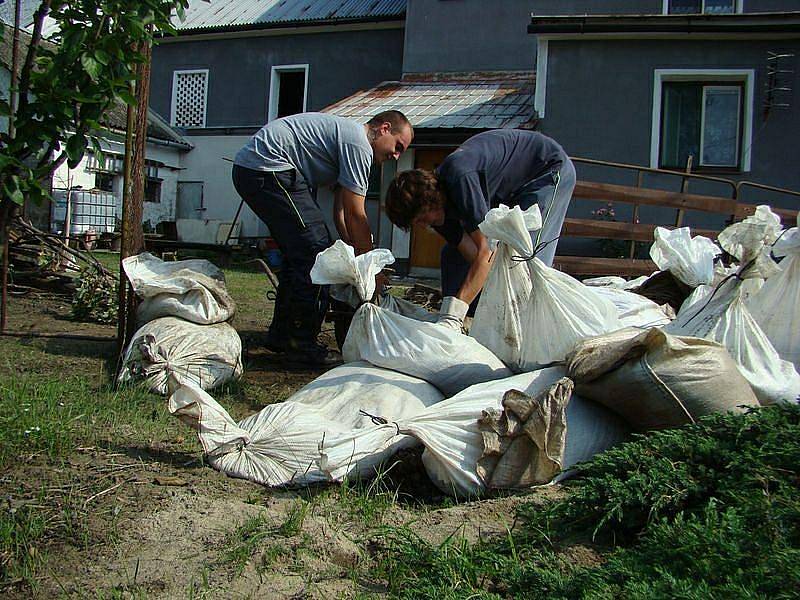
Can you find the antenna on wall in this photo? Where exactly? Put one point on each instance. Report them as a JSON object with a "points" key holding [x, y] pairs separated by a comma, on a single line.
{"points": [[779, 86]]}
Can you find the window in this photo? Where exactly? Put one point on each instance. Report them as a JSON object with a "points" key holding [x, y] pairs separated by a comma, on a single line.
{"points": [[189, 94], [706, 115], [107, 163], [104, 181], [152, 190], [287, 91], [703, 121], [693, 7]]}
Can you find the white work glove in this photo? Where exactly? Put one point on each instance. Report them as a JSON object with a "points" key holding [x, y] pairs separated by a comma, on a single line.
{"points": [[452, 313]]}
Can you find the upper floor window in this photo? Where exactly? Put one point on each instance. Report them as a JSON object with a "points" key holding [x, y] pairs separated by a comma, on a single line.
{"points": [[714, 7], [702, 120], [287, 90], [703, 113], [189, 95]]}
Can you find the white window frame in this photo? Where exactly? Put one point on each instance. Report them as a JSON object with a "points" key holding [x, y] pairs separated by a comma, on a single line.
{"points": [[540, 91], [275, 87], [174, 101], [742, 76], [738, 8]]}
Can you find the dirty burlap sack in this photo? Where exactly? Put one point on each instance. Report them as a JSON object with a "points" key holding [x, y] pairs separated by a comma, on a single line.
{"points": [[534, 438], [655, 380]]}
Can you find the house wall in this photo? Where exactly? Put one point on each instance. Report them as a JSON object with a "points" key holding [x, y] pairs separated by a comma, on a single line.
{"points": [[754, 6], [154, 212], [476, 35], [239, 70], [599, 102]]}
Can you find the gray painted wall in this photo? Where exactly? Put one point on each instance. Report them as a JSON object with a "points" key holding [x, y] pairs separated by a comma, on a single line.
{"points": [[753, 6], [239, 70], [481, 35], [599, 105]]}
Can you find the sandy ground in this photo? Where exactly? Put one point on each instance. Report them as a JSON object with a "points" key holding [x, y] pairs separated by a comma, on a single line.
{"points": [[161, 523]]}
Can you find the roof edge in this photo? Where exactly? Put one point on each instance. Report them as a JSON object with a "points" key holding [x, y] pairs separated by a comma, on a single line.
{"points": [[774, 22], [296, 24]]}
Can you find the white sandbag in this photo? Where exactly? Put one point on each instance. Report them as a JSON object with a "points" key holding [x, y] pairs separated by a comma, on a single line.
{"points": [[634, 310], [203, 355], [655, 380], [615, 282], [690, 259], [445, 358], [532, 319], [282, 443], [725, 318], [776, 306], [453, 440], [339, 266], [498, 320], [562, 311], [193, 290]]}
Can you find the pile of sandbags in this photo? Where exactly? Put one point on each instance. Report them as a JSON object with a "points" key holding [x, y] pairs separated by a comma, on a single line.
{"points": [[184, 335], [721, 314]]}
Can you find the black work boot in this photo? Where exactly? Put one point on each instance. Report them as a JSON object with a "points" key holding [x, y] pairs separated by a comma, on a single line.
{"points": [[302, 346], [312, 355]]}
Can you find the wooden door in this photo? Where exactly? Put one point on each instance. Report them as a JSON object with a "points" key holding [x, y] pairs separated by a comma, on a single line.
{"points": [[426, 245]]}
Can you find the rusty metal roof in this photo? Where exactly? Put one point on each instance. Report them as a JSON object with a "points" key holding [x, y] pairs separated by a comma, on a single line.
{"points": [[242, 13], [485, 100]]}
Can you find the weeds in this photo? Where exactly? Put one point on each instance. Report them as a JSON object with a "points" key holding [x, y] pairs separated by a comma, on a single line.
{"points": [[710, 510]]}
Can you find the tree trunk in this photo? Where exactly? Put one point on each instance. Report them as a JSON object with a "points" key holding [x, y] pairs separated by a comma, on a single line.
{"points": [[133, 198]]}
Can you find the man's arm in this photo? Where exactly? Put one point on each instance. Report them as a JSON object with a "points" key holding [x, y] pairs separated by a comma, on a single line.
{"points": [[338, 216], [354, 215], [474, 247]]}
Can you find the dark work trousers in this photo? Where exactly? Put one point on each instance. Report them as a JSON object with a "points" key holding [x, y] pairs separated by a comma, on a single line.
{"points": [[552, 192], [285, 203]]}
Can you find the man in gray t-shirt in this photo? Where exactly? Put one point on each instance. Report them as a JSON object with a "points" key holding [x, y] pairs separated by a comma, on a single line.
{"points": [[277, 173]]}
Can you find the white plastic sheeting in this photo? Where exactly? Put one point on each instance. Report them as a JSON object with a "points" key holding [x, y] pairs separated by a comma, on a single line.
{"points": [[776, 307], [531, 317], [202, 355], [634, 310], [193, 290], [282, 444], [690, 259]]}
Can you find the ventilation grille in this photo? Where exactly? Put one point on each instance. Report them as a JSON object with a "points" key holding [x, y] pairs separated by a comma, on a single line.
{"points": [[190, 99]]}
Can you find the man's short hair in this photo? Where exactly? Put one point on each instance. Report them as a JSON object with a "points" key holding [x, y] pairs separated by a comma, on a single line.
{"points": [[411, 193], [395, 118]]}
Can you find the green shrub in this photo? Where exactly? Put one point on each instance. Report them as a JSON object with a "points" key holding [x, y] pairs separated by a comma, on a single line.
{"points": [[96, 297], [709, 510]]}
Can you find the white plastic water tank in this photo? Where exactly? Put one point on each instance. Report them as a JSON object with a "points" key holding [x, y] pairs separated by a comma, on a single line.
{"points": [[89, 210]]}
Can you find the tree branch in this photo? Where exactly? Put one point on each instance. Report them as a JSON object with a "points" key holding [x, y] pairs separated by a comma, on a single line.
{"points": [[36, 38]]}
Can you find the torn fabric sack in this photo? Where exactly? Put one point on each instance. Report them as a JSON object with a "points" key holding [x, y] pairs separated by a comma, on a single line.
{"points": [[203, 355], [454, 442], [282, 444], [193, 290]]}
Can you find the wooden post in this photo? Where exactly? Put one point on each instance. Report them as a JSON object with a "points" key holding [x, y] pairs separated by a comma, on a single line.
{"points": [[684, 189], [133, 197], [635, 217], [11, 132]]}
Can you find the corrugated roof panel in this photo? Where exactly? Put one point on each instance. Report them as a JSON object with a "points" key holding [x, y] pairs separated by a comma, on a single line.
{"points": [[476, 101], [225, 13]]}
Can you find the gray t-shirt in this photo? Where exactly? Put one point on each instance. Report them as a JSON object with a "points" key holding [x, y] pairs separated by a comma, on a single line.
{"points": [[326, 149]]}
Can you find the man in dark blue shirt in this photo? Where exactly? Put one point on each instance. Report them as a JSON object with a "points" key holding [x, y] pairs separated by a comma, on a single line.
{"points": [[505, 166]]}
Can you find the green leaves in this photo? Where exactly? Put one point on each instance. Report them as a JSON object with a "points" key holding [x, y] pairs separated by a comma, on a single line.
{"points": [[12, 191], [76, 146], [92, 67]]}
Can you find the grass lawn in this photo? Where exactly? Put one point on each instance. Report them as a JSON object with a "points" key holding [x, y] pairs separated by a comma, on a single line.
{"points": [[104, 495]]}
